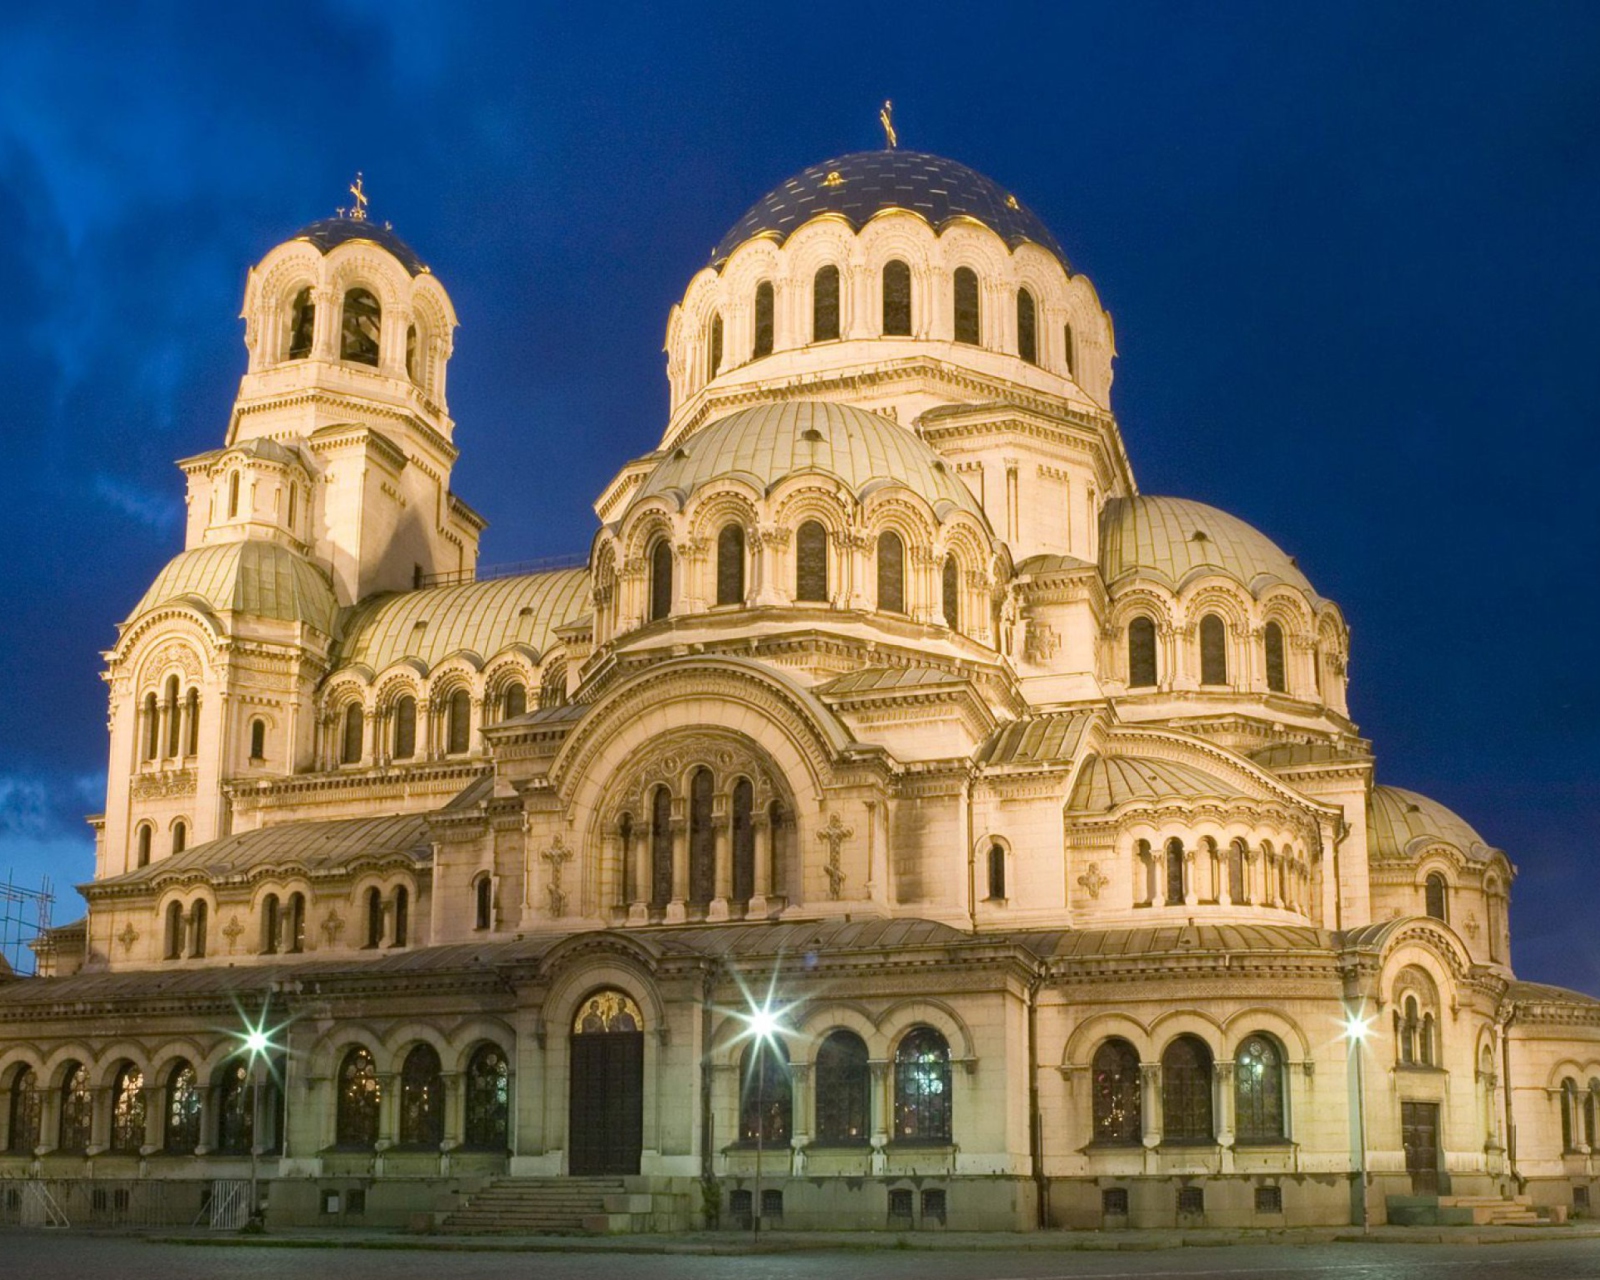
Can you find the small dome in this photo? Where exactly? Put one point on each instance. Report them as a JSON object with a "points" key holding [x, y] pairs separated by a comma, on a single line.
{"points": [[866, 183], [1172, 538], [329, 233], [256, 577], [1402, 821], [762, 446]]}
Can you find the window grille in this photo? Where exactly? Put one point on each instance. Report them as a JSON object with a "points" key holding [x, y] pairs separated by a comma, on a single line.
{"points": [[363, 324], [1186, 1091], [1258, 1091], [1191, 1201], [934, 1204], [844, 1090], [891, 572], [1114, 1202], [1118, 1098], [730, 564], [1269, 1199], [766, 1097], [811, 563], [922, 1109], [127, 1110], [488, 1099], [359, 1098], [421, 1099], [183, 1110], [900, 1202]]}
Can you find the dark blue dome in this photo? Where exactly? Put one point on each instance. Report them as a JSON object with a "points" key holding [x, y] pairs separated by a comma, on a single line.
{"points": [[867, 182], [328, 233]]}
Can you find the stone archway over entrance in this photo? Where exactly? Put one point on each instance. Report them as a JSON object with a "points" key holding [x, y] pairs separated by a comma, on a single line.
{"points": [[605, 1116]]}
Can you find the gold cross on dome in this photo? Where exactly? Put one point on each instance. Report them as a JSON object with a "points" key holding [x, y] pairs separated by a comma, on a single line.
{"points": [[886, 119], [358, 211]]}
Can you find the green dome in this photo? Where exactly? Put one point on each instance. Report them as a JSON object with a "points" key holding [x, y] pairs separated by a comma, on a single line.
{"points": [[764, 445], [1400, 821], [1172, 539], [256, 577]]}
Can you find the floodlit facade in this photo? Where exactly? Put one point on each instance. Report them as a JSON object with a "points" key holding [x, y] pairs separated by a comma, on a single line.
{"points": [[883, 701]]}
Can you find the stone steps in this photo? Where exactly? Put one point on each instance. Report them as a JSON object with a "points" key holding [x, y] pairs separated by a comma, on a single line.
{"points": [[535, 1205]]}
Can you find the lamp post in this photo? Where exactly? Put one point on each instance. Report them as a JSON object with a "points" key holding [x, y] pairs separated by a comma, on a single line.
{"points": [[763, 1026], [257, 1042], [1356, 1030]]}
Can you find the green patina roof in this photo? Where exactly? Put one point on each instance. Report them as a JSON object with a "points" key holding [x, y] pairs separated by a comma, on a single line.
{"points": [[762, 446], [875, 679], [1109, 782], [257, 577], [476, 617], [1047, 739], [1396, 819], [1158, 537]]}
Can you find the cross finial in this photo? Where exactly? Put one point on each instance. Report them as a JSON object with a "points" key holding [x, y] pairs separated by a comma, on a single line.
{"points": [[886, 119], [358, 211]]}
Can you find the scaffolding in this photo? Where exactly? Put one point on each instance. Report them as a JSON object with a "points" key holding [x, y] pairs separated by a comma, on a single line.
{"points": [[24, 917]]}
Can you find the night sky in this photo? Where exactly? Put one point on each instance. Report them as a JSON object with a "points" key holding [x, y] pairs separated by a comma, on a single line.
{"points": [[1351, 252]]}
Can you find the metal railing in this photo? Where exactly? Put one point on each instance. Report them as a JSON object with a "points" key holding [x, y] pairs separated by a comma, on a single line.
{"points": [[515, 569]]}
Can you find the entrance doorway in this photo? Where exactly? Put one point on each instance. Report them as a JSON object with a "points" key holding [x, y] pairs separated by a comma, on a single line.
{"points": [[605, 1115], [1419, 1133]]}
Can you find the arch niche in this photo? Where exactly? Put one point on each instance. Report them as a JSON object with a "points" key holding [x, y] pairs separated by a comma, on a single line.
{"points": [[605, 1116]]}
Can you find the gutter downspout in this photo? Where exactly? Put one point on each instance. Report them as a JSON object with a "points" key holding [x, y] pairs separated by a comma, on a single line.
{"points": [[972, 858], [1511, 1122], [1035, 1117]]}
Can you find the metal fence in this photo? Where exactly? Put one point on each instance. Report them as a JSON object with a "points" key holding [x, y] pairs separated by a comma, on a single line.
{"points": [[222, 1204]]}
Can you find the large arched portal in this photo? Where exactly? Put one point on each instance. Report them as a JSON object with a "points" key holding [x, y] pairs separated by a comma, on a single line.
{"points": [[605, 1119]]}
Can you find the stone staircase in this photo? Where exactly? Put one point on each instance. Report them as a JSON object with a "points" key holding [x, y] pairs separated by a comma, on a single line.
{"points": [[1492, 1211], [1471, 1211], [569, 1206]]}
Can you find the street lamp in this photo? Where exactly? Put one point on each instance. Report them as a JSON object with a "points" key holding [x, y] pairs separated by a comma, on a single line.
{"points": [[1356, 1031], [256, 1041], [761, 1027]]}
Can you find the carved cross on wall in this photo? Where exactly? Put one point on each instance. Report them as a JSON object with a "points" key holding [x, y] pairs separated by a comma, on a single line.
{"points": [[835, 834], [128, 936], [556, 855], [1092, 880], [232, 932]]}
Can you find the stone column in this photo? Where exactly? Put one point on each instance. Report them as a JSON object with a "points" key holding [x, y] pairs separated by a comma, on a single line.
{"points": [[677, 909], [1191, 876], [1223, 1102], [388, 1110], [882, 1106], [762, 830], [455, 1110], [1154, 1116], [324, 325], [800, 1113], [639, 903], [164, 714], [721, 820]]}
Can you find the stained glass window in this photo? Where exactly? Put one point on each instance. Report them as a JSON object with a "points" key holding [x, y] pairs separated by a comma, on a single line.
{"points": [[302, 324], [896, 299], [405, 728], [1272, 638], [1141, 653], [702, 839], [966, 304], [421, 1099], [922, 1087], [236, 1122], [1186, 1091], [1258, 1090], [488, 1099], [1027, 327], [359, 1097], [660, 580], [891, 572], [766, 1097], [77, 1108], [763, 318], [950, 582], [661, 848], [844, 1089], [183, 1110], [363, 321], [460, 726], [1213, 650], [1118, 1100], [744, 841], [730, 564], [22, 1136], [811, 563], [825, 304]]}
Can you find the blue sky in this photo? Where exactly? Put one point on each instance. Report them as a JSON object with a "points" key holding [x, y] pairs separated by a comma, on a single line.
{"points": [[1351, 252]]}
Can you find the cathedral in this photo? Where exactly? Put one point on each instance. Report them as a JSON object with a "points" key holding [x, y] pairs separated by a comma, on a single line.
{"points": [[895, 820]]}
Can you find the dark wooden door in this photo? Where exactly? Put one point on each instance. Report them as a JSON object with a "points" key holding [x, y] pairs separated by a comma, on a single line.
{"points": [[1419, 1132], [605, 1120]]}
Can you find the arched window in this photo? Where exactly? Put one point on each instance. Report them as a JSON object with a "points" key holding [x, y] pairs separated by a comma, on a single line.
{"points": [[966, 305], [896, 299], [811, 563], [488, 1099], [1407, 1024], [411, 352], [77, 1109], [1569, 1117], [1272, 637], [1118, 1095], [1174, 872], [714, 346], [1068, 350], [950, 584], [405, 727], [359, 1097], [374, 917], [271, 925], [233, 495], [197, 930], [763, 318], [183, 1110], [1186, 1091], [258, 739], [1589, 1112], [891, 572], [1425, 1044], [191, 741], [702, 839], [294, 492], [661, 848], [294, 931], [922, 1088], [302, 324], [143, 843], [553, 686], [483, 900], [997, 873], [1238, 887], [174, 724], [22, 1135], [514, 702], [844, 1090], [127, 1109], [174, 931], [152, 727], [236, 1122], [1258, 1091], [421, 1099], [766, 1096], [363, 321], [354, 731], [825, 304], [730, 564], [660, 580], [1213, 650], [1027, 327], [1141, 653], [459, 730], [402, 915], [1433, 893], [744, 841]]}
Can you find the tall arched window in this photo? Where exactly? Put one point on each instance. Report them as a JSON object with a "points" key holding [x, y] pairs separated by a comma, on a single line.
{"points": [[411, 352], [174, 724], [1433, 893], [402, 915], [174, 931], [302, 324], [744, 841], [730, 564], [488, 1099], [236, 1126], [766, 1094], [553, 685], [354, 731], [152, 727], [1174, 871], [896, 299], [1425, 1041], [922, 1087], [714, 346], [233, 496], [661, 848], [1258, 1091], [1272, 638], [1238, 887], [374, 917], [197, 930], [1569, 1117], [1213, 650], [1027, 327], [191, 739], [483, 901], [183, 1110], [844, 1090], [22, 1135], [363, 322], [143, 845], [811, 563], [77, 1109], [358, 1100], [1408, 1023], [271, 925], [1186, 1091], [997, 873], [660, 580], [966, 305], [514, 701], [1141, 653], [825, 304], [421, 1099], [1068, 350], [763, 319], [258, 739], [1118, 1096], [702, 839], [405, 727], [294, 924], [127, 1109], [891, 572], [950, 586], [459, 730]]}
